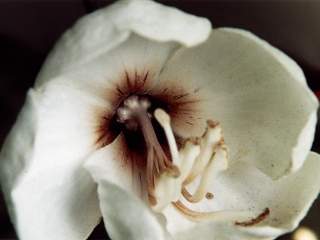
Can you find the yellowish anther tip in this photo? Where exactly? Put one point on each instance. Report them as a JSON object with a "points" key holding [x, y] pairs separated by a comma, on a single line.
{"points": [[162, 117]]}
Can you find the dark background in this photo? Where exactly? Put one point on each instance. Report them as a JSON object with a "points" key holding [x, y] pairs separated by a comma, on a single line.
{"points": [[28, 30]]}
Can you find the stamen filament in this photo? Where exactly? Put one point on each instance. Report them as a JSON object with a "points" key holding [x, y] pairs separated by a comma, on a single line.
{"points": [[166, 191], [212, 137], [157, 161], [196, 216], [188, 155], [217, 163], [153, 145]]}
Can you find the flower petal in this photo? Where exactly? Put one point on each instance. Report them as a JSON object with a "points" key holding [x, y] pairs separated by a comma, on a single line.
{"points": [[125, 215], [101, 76], [99, 32], [42, 158], [288, 200], [49, 194], [259, 95]]}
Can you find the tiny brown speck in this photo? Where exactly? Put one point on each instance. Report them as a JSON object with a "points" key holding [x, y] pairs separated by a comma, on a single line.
{"points": [[209, 195]]}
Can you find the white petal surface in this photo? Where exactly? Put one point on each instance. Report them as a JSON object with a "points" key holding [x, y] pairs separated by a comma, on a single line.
{"points": [[259, 95], [48, 193], [97, 33], [125, 215], [100, 76], [288, 200]]}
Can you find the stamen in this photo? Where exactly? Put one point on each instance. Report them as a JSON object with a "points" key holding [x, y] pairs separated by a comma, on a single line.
{"points": [[212, 216], [157, 161], [133, 114], [168, 189], [217, 163], [188, 155], [212, 137]]}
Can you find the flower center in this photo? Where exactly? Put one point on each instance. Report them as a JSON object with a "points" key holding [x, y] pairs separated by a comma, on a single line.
{"points": [[171, 171], [133, 114]]}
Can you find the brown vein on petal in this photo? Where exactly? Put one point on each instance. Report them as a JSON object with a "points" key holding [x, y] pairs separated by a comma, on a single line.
{"points": [[256, 220]]}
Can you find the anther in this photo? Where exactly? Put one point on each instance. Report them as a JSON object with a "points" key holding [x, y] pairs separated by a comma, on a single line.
{"points": [[129, 110]]}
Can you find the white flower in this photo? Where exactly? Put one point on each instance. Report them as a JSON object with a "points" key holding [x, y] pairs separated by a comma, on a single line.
{"points": [[97, 134]]}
